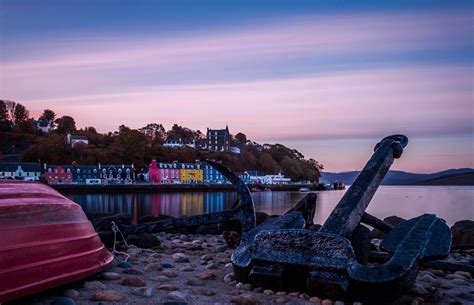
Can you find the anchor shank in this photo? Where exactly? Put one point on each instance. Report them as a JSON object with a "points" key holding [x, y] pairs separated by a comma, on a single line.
{"points": [[348, 213]]}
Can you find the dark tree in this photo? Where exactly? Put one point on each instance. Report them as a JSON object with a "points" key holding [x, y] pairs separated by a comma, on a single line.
{"points": [[5, 123], [10, 105], [178, 132], [48, 115], [20, 114], [240, 138], [156, 132], [65, 124]]}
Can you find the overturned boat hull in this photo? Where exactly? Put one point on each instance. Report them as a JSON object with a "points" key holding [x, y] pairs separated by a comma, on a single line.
{"points": [[47, 241]]}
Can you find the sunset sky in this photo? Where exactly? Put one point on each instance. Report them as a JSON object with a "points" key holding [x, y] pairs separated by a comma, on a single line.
{"points": [[327, 78]]}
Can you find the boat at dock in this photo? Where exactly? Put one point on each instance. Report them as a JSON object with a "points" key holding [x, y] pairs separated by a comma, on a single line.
{"points": [[47, 240]]}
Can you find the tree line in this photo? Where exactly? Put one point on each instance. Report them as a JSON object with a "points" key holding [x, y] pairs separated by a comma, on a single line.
{"points": [[140, 146]]}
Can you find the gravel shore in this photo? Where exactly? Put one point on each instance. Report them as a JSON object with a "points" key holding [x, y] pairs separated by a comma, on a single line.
{"points": [[196, 269]]}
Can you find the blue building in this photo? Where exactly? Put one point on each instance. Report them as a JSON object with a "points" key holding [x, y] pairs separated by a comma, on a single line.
{"points": [[212, 176]]}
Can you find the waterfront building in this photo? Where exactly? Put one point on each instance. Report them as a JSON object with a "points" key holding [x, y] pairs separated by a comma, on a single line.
{"points": [[57, 174], [169, 173], [20, 171], [179, 143], [75, 139], [117, 174], [212, 176], [191, 173], [252, 177], [85, 174], [218, 139]]}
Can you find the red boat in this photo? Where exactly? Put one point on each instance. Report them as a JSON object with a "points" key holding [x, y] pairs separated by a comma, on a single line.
{"points": [[46, 240]]}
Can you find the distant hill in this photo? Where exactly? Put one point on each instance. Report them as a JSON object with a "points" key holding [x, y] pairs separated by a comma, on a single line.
{"points": [[396, 177], [454, 179]]}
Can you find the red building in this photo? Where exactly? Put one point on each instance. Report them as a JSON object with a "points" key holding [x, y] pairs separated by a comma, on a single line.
{"points": [[57, 174], [166, 173]]}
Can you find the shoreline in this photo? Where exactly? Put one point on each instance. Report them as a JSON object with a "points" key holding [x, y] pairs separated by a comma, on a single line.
{"points": [[152, 188]]}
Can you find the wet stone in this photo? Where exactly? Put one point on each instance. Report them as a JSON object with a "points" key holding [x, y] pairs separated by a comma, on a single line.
{"points": [[212, 266], [182, 260], [229, 277], [244, 286], [71, 293], [268, 292], [170, 274], [63, 301], [258, 290], [206, 292], [160, 278], [168, 287], [245, 299], [467, 275], [155, 267], [133, 282], [145, 292], [107, 296], [207, 275], [111, 276], [326, 302], [186, 269], [133, 271], [167, 265], [194, 282], [294, 294], [176, 295], [281, 293], [304, 296], [315, 300], [94, 285], [206, 257]]}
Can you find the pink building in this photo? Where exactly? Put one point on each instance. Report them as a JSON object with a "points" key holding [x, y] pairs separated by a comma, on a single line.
{"points": [[166, 173]]}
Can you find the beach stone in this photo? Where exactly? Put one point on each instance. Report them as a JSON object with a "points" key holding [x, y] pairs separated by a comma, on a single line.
{"points": [[258, 290], [206, 257], [206, 292], [268, 292], [232, 238], [167, 265], [160, 278], [176, 295], [221, 248], [182, 260], [463, 234], [280, 300], [465, 274], [124, 265], [179, 255], [212, 266], [294, 294], [170, 274], [155, 267], [459, 282], [315, 300], [326, 302], [133, 282], [145, 292], [419, 290], [63, 301], [245, 299], [107, 296], [186, 269], [467, 296], [455, 276], [95, 285], [426, 278], [194, 282], [442, 283], [228, 266], [143, 240], [71, 293], [305, 296], [207, 275], [281, 293], [168, 287], [111, 276], [439, 273], [174, 303], [133, 271]]}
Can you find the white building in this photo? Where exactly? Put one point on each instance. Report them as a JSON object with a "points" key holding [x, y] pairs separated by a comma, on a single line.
{"points": [[179, 144], [74, 140], [20, 171], [270, 179], [44, 126]]}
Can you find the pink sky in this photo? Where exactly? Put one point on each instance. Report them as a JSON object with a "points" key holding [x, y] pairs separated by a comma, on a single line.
{"points": [[370, 77]]}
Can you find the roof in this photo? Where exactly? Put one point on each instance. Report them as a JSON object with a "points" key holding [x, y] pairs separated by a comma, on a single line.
{"points": [[220, 132], [42, 123], [74, 137], [13, 166]]}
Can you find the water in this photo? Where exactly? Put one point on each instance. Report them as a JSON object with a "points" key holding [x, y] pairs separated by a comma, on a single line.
{"points": [[451, 203]]}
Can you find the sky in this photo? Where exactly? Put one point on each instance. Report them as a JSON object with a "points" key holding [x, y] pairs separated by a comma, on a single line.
{"points": [[329, 78]]}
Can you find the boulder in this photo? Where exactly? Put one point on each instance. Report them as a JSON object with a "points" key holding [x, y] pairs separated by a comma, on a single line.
{"points": [[463, 235], [143, 240]]}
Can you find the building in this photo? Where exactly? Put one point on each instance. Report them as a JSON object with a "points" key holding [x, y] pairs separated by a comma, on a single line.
{"points": [[85, 174], [42, 125], [20, 171], [57, 174], [179, 143], [234, 150], [191, 173], [169, 173], [212, 176], [74, 140], [253, 177], [218, 139], [117, 174]]}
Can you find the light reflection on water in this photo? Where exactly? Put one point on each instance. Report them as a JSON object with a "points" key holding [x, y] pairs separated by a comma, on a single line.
{"points": [[451, 203]]}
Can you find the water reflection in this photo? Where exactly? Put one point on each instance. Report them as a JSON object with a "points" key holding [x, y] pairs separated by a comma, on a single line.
{"points": [[450, 203]]}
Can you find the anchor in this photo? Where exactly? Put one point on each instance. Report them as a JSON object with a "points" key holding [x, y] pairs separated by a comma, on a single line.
{"points": [[282, 254]]}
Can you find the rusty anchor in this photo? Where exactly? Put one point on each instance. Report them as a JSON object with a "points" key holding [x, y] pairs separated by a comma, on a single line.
{"points": [[283, 255]]}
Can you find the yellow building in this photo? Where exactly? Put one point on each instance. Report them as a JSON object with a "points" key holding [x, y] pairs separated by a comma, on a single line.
{"points": [[191, 173]]}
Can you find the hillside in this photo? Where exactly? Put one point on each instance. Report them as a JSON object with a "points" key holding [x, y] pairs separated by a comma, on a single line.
{"points": [[395, 177], [454, 179]]}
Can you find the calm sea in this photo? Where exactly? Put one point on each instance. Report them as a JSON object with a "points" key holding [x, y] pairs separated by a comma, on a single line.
{"points": [[451, 203]]}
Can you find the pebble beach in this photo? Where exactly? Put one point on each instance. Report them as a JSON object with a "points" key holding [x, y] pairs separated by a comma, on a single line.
{"points": [[196, 269]]}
